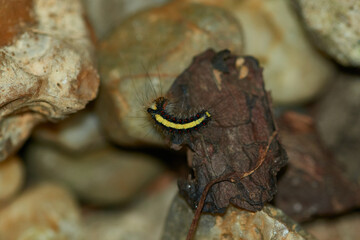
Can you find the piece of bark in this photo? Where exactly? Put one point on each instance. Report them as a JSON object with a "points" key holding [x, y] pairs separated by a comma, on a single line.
{"points": [[313, 183], [47, 66], [231, 88]]}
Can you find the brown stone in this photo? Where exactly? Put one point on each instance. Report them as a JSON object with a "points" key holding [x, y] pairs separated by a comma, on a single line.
{"points": [[337, 118], [313, 183], [15, 17]]}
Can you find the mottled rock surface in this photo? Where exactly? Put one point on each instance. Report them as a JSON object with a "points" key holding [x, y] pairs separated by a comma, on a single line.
{"points": [[334, 26], [269, 223], [102, 176], [11, 178], [143, 56], [43, 212], [47, 66], [294, 71], [144, 220], [106, 14], [338, 120]]}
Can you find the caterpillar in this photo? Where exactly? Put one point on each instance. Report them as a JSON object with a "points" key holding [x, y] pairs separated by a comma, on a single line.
{"points": [[177, 111], [175, 125]]}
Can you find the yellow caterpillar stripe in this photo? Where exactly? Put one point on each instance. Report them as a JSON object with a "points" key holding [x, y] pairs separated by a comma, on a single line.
{"points": [[179, 126]]}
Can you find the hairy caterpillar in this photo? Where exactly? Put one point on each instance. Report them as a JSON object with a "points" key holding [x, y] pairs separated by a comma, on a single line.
{"points": [[173, 124], [180, 120], [182, 103]]}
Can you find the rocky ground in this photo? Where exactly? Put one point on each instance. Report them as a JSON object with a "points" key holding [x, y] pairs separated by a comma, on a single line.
{"points": [[79, 159]]}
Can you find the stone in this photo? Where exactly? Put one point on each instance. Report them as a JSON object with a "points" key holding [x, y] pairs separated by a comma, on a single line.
{"points": [[344, 227], [143, 220], [47, 66], [105, 14], [313, 183], [269, 223], [100, 177], [11, 178], [337, 118], [294, 72], [142, 57], [14, 16], [43, 212], [79, 133], [334, 27]]}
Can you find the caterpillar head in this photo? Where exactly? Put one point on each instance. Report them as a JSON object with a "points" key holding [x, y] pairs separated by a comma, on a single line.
{"points": [[157, 105]]}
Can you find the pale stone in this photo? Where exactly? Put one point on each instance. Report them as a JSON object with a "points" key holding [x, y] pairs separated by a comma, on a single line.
{"points": [[11, 178], [100, 176], [344, 227], [106, 14], [334, 26], [144, 220], [47, 71], [43, 212]]}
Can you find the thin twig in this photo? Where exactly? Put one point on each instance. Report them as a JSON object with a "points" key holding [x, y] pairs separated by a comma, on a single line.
{"points": [[231, 177]]}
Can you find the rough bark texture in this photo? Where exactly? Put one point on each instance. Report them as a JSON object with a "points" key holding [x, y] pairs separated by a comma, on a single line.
{"points": [[46, 66], [231, 88]]}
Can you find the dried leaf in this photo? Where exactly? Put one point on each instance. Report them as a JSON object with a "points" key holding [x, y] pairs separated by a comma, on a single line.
{"points": [[231, 88]]}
